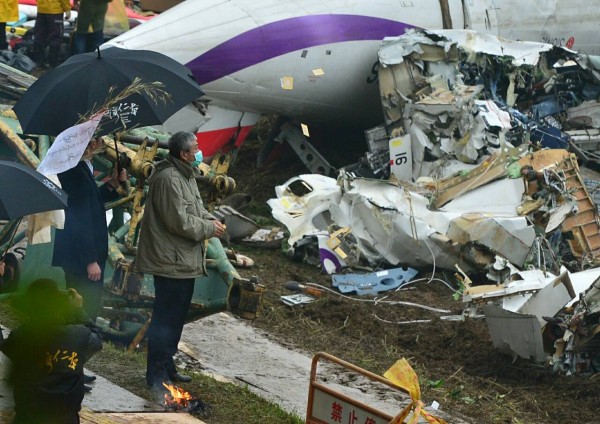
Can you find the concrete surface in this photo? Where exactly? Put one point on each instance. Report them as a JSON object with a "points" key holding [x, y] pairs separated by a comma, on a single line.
{"points": [[235, 351]]}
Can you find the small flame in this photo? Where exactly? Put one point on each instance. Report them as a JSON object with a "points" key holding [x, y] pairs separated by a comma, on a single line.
{"points": [[177, 397]]}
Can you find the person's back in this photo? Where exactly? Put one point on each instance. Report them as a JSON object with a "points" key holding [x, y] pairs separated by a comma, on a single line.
{"points": [[47, 373], [47, 354]]}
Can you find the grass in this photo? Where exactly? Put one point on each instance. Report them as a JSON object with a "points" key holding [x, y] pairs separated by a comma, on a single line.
{"points": [[228, 403]]}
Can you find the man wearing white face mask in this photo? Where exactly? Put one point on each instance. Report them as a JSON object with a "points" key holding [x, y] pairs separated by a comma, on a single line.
{"points": [[172, 247]]}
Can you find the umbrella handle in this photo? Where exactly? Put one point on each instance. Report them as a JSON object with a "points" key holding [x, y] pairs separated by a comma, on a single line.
{"points": [[116, 138]]}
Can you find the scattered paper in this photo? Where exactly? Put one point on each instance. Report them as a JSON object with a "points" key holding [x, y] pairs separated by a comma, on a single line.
{"points": [[297, 299]]}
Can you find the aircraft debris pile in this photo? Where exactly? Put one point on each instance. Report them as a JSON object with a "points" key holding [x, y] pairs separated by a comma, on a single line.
{"points": [[478, 160]]}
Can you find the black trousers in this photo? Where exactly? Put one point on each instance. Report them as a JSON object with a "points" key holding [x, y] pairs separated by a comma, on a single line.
{"points": [[3, 42], [172, 298], [91, 291]]}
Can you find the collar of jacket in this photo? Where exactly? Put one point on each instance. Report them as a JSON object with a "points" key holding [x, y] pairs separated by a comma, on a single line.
{"points": [[185, 168]]}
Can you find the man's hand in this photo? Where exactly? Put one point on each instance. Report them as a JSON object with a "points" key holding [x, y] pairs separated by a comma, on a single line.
{"points": [[118, 177], [93, 271], [67, 15], [219, 228]]}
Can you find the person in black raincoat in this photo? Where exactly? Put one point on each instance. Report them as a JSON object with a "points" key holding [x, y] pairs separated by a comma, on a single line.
{"points": [[47, 354]]}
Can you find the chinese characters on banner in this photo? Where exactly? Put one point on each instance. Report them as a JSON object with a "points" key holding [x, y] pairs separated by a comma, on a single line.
{"points": [[123, 112], [68, 147]]}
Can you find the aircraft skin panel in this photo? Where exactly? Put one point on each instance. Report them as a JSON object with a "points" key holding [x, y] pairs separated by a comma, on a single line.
{"points": [[261, 89], [279, 38], [213, 141], [240, 49], [572, 24], [177, 31]]}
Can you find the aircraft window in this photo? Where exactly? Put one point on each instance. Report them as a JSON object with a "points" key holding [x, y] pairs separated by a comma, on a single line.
{"points": [[304, 53], [299, 188], [328, 52]]}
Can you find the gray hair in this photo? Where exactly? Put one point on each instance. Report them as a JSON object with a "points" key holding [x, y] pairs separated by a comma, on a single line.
{"points": [[181, 142]]}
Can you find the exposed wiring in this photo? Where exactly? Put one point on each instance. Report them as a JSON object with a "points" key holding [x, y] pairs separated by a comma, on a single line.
{"points": [[378, 301], [415, 321]]}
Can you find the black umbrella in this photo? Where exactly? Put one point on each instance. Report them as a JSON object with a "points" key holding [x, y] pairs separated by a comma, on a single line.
{"points": [[24, 191], [82, 84]]}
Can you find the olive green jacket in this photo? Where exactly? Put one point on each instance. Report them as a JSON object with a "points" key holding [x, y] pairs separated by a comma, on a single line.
{"points": [[175, 224]]}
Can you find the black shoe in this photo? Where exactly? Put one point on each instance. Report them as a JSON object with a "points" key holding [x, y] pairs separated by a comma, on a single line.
{"points": [[87, 388], [88, 378], [180, 378]]}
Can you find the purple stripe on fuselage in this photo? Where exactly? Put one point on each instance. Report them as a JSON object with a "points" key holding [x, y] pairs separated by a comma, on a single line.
{"points": [[281, 37]]}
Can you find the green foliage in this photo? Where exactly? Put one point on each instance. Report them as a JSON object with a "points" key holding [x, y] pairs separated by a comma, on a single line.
{"points": [[435, 384]]}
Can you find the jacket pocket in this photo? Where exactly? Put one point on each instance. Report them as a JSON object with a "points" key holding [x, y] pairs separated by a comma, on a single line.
{"points": [[186, 258]]}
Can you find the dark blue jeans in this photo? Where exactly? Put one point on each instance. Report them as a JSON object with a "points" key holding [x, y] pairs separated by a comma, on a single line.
{"points": [[172, 298]]}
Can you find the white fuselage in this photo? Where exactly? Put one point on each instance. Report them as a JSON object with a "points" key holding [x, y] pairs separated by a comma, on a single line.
{"points": [[240, 50]]}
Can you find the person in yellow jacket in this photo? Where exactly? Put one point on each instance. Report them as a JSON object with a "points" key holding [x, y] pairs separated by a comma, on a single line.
{"points": [[48, 30], [9, 12]]}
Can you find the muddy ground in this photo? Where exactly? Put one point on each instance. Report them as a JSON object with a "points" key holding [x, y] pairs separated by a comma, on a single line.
{"points": [[455, 360]]}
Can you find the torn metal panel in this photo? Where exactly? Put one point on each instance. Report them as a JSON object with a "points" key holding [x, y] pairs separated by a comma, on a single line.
{"points": [[558, 215], [447, 116], [515, 334], [374, 282], [238, 225], [582, 281], [385, 222], [505, 205], [506, 290], [576, 342], [532, 308], [510, 238], [395, 224], [390, 222], [444, 44], [418, 46], [550, 299], [491, 169], [303, 204]]}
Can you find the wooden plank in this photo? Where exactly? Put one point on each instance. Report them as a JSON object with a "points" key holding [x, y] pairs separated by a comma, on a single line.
{"points": [[90, 417]]}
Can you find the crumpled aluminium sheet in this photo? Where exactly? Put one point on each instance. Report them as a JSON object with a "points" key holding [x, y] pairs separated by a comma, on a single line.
{"points": [[391, 223], [394, 49]]}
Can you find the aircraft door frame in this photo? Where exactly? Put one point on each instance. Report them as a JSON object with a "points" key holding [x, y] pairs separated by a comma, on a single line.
{"points": [[453, 16], [481, 15]]}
